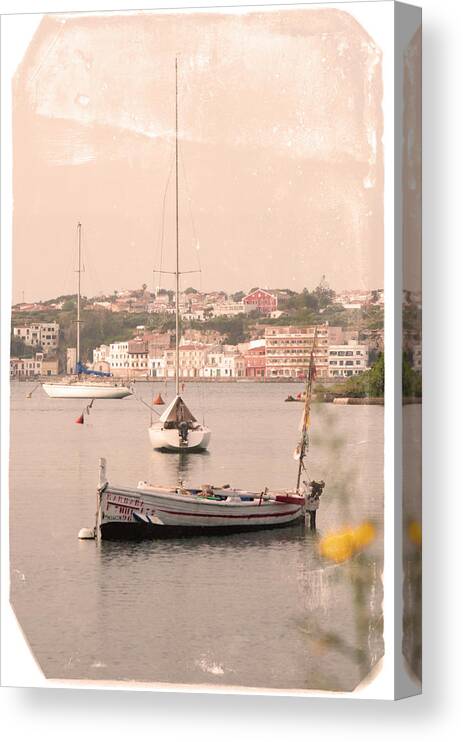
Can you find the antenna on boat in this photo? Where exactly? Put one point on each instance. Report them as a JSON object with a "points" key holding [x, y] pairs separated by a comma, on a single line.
{"points": [[177, 271], [79, 271]]}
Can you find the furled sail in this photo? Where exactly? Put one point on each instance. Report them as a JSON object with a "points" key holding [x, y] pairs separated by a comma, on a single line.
{"points": [[82, 369], [177, 412]]}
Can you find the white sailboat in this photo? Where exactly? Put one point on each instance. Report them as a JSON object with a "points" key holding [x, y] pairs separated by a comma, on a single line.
{"points": [[73, 387], [157, 511], [177, 429]]}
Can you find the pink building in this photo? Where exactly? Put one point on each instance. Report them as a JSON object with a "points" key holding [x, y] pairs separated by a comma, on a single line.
{"points": [[288, 351], [261, 300], [255, 362]]}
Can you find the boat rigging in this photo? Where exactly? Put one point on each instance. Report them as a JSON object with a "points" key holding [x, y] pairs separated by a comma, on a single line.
{"points": [[177, 429], [73, 387]]}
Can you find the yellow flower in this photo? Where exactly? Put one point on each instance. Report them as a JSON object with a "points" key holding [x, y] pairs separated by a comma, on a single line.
{"points": [[344, 544], [337, 546], [363, 535], [414, 532]]}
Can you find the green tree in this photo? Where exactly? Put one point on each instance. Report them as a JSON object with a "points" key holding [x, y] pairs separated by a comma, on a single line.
{"points": [[411, 379], [325, 296], [310, 300], [18, 348], [368, 384], [376, 378]]}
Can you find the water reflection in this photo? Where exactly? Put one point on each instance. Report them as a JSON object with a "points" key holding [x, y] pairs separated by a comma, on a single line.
{"points": [[253, 609], [236, 543], [177, 466]]}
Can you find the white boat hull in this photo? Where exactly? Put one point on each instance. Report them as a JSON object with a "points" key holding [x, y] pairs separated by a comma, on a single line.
{"points": [[86, 391], [163, 439], [158, 512]]}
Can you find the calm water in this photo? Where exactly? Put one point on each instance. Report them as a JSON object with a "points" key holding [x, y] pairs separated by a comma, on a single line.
{"points": [[249, 610]]}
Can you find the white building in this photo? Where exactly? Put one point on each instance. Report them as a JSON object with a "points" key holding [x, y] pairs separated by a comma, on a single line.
{"points": [[71, 360], [102, 304], [349, 359], [99, 354], [233, 365], [288, 350], [193, 358], [157, 366], [161, 305], [229, 309], [277, 313], [39, 334], [23, 368], [194, 314], [127, 359], [213, 363], [224, 363]]}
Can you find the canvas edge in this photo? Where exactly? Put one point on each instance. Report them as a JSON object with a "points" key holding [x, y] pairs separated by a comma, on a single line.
{"points": [[407, 21]]}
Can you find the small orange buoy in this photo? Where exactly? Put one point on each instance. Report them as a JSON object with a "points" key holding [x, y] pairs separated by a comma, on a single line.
{"points": [[80, 420], [158, 400]]}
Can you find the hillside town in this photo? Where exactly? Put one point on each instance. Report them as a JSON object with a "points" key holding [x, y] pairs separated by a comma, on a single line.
{"points": [[283, 353], [201, 306], [276, 347]]}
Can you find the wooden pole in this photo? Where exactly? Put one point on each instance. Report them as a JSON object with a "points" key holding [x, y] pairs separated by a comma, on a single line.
{"points": [[102, 480], [308, 399]]}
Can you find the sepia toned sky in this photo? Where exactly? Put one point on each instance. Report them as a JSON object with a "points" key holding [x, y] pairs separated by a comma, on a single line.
{"points": [[281, 163]]}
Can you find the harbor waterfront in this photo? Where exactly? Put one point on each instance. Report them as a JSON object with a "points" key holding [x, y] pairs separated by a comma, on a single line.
{"points": [[250, 610]]}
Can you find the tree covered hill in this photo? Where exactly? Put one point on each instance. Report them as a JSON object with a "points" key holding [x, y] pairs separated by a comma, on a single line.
{"points": [[101, 326]]}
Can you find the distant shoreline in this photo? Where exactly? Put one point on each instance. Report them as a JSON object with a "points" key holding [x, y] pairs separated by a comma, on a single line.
{"points": [[214, 380], [329, 398]]}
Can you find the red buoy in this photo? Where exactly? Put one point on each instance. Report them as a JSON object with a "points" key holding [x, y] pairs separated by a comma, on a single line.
{"points": [[80, 420], [158, 400]]}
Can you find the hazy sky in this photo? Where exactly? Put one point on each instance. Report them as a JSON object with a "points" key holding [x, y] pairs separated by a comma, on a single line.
{"points": [[281, 167]]}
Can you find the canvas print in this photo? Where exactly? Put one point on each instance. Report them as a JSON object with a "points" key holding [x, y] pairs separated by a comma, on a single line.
{"points": [[412, 356], [197, 369]]}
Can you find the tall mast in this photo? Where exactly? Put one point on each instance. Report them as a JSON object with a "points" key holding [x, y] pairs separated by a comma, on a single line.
{"points": [[177, 268], [304, 444], [79, 250]]}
